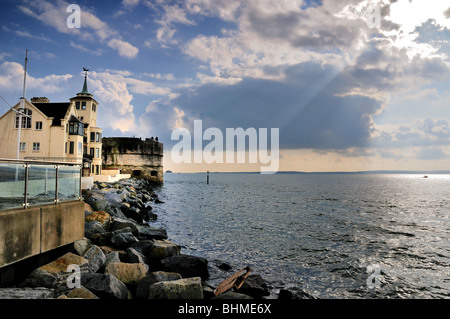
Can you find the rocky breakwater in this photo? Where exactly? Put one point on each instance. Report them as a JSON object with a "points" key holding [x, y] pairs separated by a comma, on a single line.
{"points": [[123, 257]]}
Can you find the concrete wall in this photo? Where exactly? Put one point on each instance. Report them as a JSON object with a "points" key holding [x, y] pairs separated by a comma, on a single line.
{"points": [[134, 156], [28, 232]]}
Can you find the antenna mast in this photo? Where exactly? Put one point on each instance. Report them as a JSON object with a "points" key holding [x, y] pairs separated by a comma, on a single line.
{"points": [[22, 104]]}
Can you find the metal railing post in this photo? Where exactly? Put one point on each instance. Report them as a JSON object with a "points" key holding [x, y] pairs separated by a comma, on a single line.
{"points": [[25, 193], [56, 184]]}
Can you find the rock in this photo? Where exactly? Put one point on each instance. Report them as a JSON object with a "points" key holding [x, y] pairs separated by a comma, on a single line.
{"points": [[148, 215], [208, 292], [116, 213], [101, 216], [123, 240], [96, 258], [143, 246], [162, 249], [148, 232], [187, 266], [232, 295], [133, 213], [134, 256], [26, 293], [97, 202], [81, 245], [119, 223], [142, 289], [224, 266], [56, 273], [92, 228], [188, 288], [88, 208], [127, 273], [81, 293], [112, 257], [105, 286], [254, 286]]}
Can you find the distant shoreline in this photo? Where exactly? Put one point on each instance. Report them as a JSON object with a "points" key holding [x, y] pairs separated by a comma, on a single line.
{"points": [[324, 173]]}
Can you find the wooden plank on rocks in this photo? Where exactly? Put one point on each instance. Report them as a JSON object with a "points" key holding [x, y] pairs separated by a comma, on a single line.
{"points": [[234, 281]]}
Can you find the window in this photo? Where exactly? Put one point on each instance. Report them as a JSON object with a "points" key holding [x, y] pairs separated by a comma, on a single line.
{"points": [[92, 137], [77, 105], [91, 152], [97, 169], [83, 105], [80, 148], [36, 146], [94, 107], [97, 137], [71, 147], [38, 125], [22, 146], [97, 153], [76, 128], [26, 118], [65, 148]]}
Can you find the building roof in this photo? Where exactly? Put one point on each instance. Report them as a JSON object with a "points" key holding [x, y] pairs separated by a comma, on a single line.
{"points": [[85, 89], [56, 110]]}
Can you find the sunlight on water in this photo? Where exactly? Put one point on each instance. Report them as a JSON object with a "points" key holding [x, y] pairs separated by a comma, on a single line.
{"points": [[320, 234]]}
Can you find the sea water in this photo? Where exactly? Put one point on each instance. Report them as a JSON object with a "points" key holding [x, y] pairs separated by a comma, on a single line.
{"points": [[322, 235]]}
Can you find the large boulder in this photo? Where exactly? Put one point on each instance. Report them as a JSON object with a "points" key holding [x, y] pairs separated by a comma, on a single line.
{"points": [[142, 289], [82, 245], [123, 240], [97, 202], [162, 249], [134, 256], [56, 273], [96, 258], [149, 232], [105, 286], [127, 273], [101, 216], [187, 266], [93, 228], [188, 288], [254, 286]]}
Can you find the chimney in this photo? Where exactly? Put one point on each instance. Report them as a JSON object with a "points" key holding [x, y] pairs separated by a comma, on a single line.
{"points": [[39, 100]]}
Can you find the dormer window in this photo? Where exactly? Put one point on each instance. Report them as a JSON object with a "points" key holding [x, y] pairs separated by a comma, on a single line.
{"points": [[26, 120]]}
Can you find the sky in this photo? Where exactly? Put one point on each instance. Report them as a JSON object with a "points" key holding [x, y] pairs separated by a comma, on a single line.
{"points": [[351, 85]]}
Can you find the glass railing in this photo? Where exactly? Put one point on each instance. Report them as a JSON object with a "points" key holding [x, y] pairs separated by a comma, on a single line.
{"points": [[26, 183]]}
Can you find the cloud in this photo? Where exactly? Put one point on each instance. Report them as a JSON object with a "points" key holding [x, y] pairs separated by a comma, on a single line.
{"points": [[11, 77], [92, 28], [124, 48], [430, 153]]}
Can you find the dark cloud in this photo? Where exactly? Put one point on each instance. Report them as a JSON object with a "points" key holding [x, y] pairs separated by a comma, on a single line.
{"points": [[305, 107]]}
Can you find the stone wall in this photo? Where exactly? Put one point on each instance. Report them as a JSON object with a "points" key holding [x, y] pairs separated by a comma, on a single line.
{"points": [[140, 158]]}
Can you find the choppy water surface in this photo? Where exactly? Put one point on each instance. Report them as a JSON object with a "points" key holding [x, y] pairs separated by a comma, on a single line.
{"points": [[323, 234]]}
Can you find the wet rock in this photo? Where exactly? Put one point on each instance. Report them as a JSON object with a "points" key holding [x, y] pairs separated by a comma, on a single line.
{"points": [[188, 288], [187, 266], [255, 286], [105, 286], [119, 223]]}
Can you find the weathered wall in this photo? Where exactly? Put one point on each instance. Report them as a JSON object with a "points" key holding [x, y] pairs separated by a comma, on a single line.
{"points": [[28, 232], [140, 158]]}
